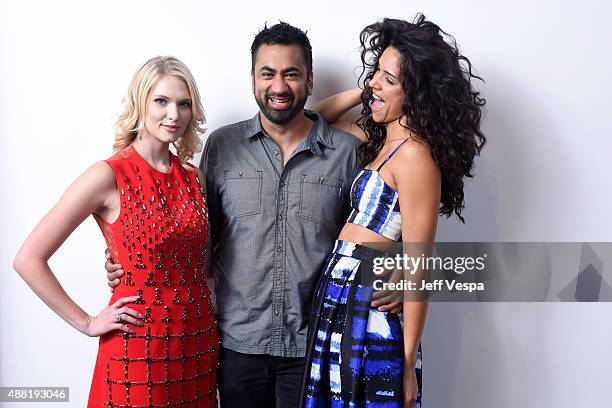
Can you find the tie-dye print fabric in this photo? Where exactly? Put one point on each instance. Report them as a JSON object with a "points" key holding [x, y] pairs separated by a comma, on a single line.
{"points": [[355, 356]]}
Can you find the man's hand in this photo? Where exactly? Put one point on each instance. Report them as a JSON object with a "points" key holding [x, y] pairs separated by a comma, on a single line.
{"points": [[389, 300], [113, 271]]}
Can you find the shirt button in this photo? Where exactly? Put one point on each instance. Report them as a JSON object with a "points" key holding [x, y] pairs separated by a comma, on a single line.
{"points": [[276, 152], [279, 249], [282, 183], [276, 312], [321, 180], [280, 217]]}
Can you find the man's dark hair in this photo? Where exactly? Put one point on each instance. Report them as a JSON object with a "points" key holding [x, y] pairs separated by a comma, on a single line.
{"points": [[282, 34]]}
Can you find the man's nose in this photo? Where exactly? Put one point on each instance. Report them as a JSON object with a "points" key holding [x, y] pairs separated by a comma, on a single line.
{"points": [[279, 84]]}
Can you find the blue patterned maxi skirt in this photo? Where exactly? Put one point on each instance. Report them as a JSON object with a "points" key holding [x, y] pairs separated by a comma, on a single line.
{"points": [[355, 353]]}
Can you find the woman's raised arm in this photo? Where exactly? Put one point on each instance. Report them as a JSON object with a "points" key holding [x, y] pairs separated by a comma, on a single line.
{"points": [[334, 107]]}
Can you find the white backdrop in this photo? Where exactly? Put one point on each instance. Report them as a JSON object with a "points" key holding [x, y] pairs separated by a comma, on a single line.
{"points": [[544, 174]]}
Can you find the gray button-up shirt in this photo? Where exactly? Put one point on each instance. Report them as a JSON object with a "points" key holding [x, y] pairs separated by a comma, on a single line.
{"points": [[273, 226]]}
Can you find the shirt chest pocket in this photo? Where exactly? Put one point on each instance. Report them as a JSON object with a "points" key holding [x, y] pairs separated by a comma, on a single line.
{"points": [[320, 198], [243, 192]]}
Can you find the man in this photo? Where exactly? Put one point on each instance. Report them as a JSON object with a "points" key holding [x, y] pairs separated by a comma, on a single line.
{"points": [[278, 195], [278, 189]]}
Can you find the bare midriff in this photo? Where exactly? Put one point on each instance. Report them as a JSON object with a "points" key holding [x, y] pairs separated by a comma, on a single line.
{"points": [[361, 235]]}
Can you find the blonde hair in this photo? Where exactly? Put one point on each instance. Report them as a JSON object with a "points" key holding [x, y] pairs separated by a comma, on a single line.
{"points": [[131, 120]]}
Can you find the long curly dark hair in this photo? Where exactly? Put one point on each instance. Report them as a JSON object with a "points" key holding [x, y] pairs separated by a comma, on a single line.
{"points": [[441, 106]]}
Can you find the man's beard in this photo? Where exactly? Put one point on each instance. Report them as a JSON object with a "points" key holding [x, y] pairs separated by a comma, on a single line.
{"points": [[281, 117]]}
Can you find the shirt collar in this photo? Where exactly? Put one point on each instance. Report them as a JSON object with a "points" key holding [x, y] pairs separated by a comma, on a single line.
{"points": [[320, 133]]}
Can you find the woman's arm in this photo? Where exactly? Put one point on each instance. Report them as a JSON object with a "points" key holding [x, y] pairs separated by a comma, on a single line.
{"points": [[419, 185], [93, 191], [333, 107]]}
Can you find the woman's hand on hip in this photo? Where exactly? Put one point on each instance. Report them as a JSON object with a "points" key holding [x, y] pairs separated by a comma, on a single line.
{"points": [[114, 317]]}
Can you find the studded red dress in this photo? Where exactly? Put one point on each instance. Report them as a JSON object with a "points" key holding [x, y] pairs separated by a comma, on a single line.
{"points": [[160, 238]]}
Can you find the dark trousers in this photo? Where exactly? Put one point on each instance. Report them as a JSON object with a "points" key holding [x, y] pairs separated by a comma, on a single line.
{"points": [[259, 381]]}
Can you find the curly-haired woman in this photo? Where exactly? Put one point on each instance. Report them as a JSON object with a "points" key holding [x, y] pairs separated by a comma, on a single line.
{"points": [[420, 127]]}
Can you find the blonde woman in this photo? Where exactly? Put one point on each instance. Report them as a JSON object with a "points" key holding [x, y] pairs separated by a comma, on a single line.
{"points": [[158, 341]]}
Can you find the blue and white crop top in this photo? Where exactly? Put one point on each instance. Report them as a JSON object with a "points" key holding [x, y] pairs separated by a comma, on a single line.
{"points": [[375, 205]]}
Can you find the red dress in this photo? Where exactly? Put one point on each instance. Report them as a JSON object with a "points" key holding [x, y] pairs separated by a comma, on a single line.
{"points": [[160, 238]]}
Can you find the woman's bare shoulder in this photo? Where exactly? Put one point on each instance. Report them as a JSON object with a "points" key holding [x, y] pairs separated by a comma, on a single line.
{"points": [[100, 174], [414, 159]]}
